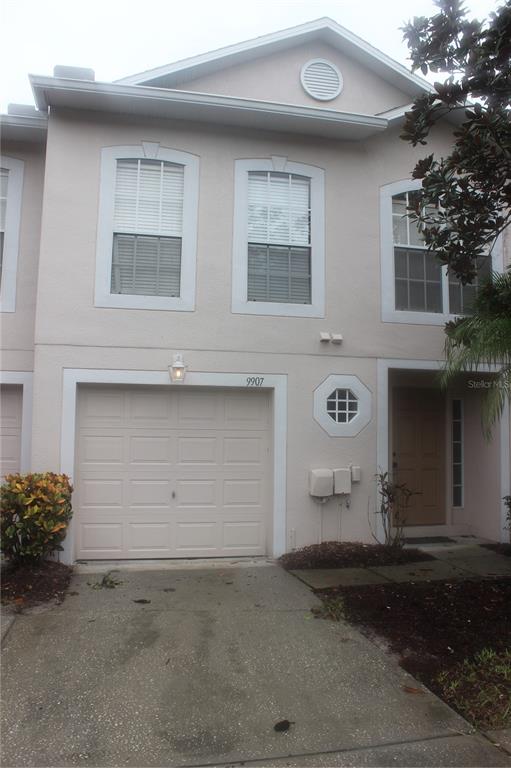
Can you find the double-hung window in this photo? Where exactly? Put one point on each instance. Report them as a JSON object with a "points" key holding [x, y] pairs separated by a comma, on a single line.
{"points": [[416, 287], [147, 228], [278, 259], [11, 190]]}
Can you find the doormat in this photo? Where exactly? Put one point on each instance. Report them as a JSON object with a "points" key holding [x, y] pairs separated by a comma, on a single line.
{"points": [[429, 540]]}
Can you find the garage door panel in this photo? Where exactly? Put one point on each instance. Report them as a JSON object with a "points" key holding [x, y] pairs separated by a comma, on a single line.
{"points": [[152, 538], [180, 476], [96, 537], [11, 401], [149, 409], [150, 449], [100, 492], [10, 450], [242, 492], [103, 409], [197, 493], [242, 412], [197, 409], [247, 534], [197, 450], [243, 450], [102, 449], [200, 534], [149, 493]]}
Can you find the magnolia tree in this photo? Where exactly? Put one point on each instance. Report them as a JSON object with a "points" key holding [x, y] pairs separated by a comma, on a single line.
{"points": [[465, 203]]}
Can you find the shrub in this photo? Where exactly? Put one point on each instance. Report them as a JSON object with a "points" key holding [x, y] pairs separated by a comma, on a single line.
{"points": [[35, 512]]}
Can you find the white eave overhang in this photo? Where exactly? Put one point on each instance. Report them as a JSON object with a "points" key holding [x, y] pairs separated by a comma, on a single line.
{"points": [[200, 107], [22, 128]]}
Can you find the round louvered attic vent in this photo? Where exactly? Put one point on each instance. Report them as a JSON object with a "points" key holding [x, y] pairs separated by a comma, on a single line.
{"points": [[321, 79]]}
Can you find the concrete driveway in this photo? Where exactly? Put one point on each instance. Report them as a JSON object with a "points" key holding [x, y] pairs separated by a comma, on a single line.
{"points": [[201, 672]]}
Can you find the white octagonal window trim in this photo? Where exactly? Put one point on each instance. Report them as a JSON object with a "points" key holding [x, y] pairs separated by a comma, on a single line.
{"points": [[342, 405]]}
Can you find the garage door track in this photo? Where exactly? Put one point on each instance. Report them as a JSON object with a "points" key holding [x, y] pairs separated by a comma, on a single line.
{"points": [[196, 667]]}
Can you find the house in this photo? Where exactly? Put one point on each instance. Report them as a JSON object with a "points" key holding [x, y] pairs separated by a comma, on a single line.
{"points": [[209, 290]]}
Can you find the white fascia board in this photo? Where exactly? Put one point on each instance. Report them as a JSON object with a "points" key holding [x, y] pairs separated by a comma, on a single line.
{"points": [[184, 105], [323, 28], [396, 116], [21, 128]]}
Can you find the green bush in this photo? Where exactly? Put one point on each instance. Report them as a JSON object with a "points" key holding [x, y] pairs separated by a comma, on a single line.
{"points": [[34, 514]]}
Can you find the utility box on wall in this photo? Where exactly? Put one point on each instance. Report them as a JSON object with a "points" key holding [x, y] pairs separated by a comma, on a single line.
{"points": [[321, 482], [342, 480]]}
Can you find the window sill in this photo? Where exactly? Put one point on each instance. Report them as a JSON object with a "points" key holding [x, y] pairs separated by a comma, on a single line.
{"points": [[417, 318], [126, 301], [277, 309]]}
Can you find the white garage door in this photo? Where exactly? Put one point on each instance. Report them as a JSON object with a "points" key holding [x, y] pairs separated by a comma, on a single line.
{"points": [[11, 398], [172, 473]]}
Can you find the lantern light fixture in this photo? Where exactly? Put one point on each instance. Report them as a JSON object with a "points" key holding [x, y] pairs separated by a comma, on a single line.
{"points": [[178, 369]]}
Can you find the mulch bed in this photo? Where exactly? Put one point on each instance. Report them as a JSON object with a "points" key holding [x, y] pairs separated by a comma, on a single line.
{"points": [[335, 554], [29, 585], [501, 549], [434, 627]]}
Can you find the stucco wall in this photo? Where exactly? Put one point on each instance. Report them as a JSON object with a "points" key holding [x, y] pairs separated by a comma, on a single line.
{"points": [[354, 174], [277, 78], [72, 333], [17, 328]]}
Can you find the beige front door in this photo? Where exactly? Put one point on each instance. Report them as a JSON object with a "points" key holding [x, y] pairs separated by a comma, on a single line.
{"points": [[418, 452], [11, 400], [172, 472]]}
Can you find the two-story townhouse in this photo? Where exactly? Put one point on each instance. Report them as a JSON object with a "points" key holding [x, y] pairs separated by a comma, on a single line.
{"points": [[222, 293]]}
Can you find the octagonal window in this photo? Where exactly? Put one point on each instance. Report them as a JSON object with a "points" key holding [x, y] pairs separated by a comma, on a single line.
{"points": [[342, 405]]}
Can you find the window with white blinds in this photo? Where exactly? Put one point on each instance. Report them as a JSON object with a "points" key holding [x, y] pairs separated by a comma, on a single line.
{"points": [[416, 287], [148, 228], [279, 237], [4, 181]]}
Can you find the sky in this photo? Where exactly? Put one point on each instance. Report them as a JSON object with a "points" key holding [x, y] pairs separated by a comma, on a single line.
{"points": [[117, 38]]}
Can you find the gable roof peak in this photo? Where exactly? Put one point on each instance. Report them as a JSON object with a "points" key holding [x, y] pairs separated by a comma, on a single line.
{"points": [[323, 28]]}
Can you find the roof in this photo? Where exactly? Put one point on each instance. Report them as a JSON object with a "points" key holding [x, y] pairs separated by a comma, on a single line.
{"points": [[202, 107], [324, 29], [24, 123]]}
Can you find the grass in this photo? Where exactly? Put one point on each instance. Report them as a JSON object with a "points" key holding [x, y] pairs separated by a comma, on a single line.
{"points": [[480, 688]]}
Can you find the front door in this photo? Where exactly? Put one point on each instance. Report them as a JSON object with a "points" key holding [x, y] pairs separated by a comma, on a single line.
{"points": [[418, 455]]}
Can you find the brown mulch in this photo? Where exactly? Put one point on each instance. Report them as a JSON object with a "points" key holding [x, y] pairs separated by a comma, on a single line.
{"points": [[29, 585], [432, 626], [335, 554], [501, 549]]}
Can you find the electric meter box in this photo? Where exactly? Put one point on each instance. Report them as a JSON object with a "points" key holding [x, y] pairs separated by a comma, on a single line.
{"points": [[342, 480], [321, 482]]}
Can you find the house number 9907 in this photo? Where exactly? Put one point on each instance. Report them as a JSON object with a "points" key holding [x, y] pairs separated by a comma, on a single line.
{"points": [[255, 381]]}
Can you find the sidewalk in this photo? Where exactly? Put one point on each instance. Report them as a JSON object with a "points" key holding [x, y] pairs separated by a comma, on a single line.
{"points": [[461, 560]]}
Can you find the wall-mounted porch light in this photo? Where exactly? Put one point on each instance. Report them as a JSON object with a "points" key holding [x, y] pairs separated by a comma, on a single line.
{"points": [[178, 369]]}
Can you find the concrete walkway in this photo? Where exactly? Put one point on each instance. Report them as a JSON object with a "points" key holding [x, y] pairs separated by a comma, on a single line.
{"points": [[195, 667], [459, 561]]}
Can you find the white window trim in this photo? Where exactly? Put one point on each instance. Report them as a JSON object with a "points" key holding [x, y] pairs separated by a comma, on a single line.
{"points": [[361, 392], [12, 232], [277, 383], [240, 303], [103, 297], [389, 313]]}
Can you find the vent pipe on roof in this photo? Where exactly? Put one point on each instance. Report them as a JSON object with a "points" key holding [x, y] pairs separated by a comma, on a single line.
{"points": [[73, 73]]}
